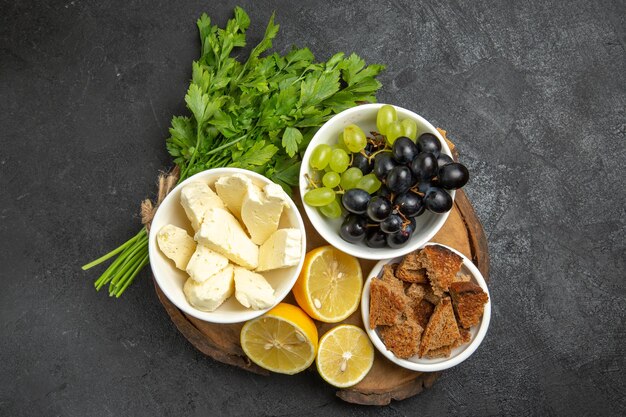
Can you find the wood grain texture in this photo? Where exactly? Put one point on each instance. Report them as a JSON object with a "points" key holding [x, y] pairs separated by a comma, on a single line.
{"points": [[386, 381]]}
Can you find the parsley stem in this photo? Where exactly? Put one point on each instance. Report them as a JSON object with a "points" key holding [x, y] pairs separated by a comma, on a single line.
{"points": [[128, 261], [111, 254], [128, 272], [183, 174], [130, 280], [114, 269], [227, 144]]}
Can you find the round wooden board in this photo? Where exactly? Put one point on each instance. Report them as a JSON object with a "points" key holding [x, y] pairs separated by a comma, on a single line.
{"points": [[386, 381]]}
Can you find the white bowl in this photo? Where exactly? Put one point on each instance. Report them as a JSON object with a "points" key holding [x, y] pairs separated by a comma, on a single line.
{"points": [[415, 363], [171, 279], [364, 116]]}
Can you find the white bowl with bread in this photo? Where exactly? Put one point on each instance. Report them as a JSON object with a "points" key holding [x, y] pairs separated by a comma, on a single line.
{"points": [[427, 311], [226, 245]]}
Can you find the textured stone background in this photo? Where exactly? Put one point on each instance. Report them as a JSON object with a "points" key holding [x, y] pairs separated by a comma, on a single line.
{"points": [[534, 93]]}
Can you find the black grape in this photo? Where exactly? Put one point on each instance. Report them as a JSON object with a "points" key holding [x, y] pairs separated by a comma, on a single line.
{"points": [[355, 200], [397, 240], [353, 228], [443, 160], [453, 176], [409, 204], [399, 179], [391, 224], [375, 238], [424, 166], [404, 150], [438, 200], [428, 142], [383, 163], [379, 208], [361, 162]]}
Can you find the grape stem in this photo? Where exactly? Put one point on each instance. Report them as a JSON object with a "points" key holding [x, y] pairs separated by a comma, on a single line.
{"points": [[416, 191], [405, 220], [372, 156], [310, 181], [378, 139]]}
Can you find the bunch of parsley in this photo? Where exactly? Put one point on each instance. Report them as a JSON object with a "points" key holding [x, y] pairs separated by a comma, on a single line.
{"points": [[261, 113], [258, 115]]}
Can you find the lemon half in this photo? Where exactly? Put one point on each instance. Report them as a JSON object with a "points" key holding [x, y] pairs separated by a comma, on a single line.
{"points": [[345, 356], [283, 340], [329, 286]]}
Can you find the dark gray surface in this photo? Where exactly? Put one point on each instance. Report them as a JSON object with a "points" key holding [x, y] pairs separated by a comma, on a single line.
{"points": [[534, 93]]}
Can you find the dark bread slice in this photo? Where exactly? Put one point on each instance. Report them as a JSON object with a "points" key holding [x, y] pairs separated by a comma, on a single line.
{"points": [[386, 303], [446, 351], [419, 308], [388, 275], [461, 278], [423, 310], [416, 292], [441, 330], [410, 270], [421, 291], [403, 339], [466, 336], [441, 266], [469, 301], [442, 352]]}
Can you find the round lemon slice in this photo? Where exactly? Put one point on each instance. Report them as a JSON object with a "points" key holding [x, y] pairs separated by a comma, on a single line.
{"points": [[283, 340], [329, 286], [345, 356]]}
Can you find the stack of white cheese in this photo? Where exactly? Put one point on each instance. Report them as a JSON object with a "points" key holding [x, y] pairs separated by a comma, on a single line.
{"points": [[236, 238]]}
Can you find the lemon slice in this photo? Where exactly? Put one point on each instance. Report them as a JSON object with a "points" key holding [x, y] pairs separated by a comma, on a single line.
{"points": [[345, 356], [283, 340], [329, 286]]}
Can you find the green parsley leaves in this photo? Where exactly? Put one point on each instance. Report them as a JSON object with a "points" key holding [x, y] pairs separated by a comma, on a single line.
{"points": [[260, 114]]}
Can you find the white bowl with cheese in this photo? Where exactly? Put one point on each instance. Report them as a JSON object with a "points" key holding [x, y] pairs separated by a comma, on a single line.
{"points": [[220, 229]]}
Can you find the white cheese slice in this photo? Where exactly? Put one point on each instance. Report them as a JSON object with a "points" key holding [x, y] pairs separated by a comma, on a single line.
{"points": [[210, 294], [221, 232], [196, 198], [176, 244], [205, 263], [261, 211], [231, 189], [282, 249], [252, 290]]}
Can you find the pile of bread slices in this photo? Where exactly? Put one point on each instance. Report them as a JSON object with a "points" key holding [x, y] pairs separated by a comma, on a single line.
{"points": [[425, 305], [236, 240]]}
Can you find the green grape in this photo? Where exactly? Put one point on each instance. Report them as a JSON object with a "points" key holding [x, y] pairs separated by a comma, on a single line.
{"points": [[339, 160], [394, 131], [369, 183], [332, 210], [409, 129], [319, 197], [354, 138], [320, 156], [341, 144], [385, 116], [331, 179], [350, 178]]}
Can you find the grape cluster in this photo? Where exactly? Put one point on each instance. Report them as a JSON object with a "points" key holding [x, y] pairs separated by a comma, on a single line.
{"points": [[384, 182], [341, 168]]}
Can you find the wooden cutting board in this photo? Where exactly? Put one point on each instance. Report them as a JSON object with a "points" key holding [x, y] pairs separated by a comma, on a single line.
{"points": [[386, 381]]}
